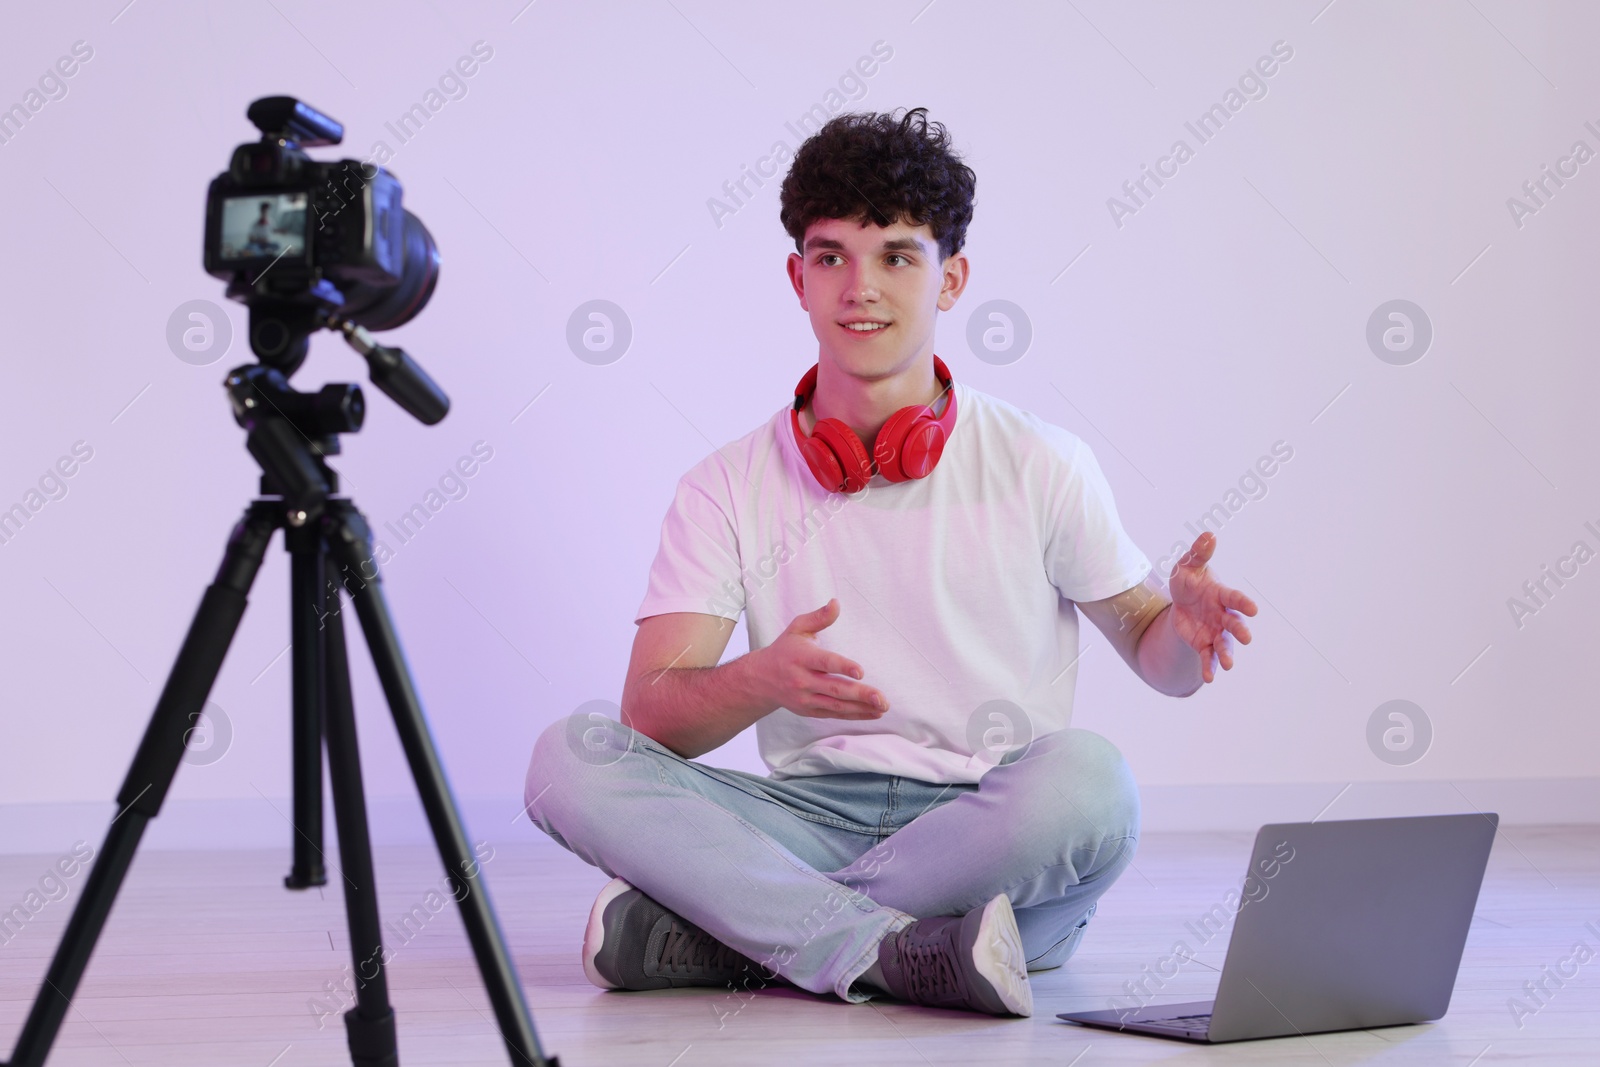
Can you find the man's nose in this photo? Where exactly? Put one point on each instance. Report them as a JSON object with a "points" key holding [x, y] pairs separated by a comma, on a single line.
{"points": [[863, 286]]}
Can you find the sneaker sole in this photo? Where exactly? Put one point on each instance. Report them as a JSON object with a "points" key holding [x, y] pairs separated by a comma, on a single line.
{"points": [[997, 953], [594, 935]]}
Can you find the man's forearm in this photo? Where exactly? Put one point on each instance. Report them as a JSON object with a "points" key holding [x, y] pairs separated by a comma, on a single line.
{"points": [[1167, 663], [692, 710]]}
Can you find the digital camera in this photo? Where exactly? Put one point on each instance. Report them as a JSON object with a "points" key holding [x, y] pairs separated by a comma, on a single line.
{"points": [[302, 241]]}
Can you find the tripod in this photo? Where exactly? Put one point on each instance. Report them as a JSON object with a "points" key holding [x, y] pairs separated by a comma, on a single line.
{"points": [[290, 433]]}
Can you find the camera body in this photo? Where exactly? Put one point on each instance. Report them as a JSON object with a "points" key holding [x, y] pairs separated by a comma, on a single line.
{"points": [[304, 242], [278, 217], [291, 222]]}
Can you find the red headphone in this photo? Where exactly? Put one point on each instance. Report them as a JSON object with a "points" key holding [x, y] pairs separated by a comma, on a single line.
{"points": [[908, 446]]}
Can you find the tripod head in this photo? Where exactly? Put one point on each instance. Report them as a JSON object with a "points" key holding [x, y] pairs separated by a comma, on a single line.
{"points": [[290, 432]]}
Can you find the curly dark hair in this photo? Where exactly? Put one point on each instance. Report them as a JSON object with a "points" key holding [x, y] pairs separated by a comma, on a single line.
{"points": [[863, 165]]}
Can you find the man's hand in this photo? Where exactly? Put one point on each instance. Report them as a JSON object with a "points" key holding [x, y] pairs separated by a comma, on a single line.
{"points": [[1204, 611], [795, 672]]}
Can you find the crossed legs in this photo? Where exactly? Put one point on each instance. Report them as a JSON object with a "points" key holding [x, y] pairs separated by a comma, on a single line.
{"points": [[811, 896]]}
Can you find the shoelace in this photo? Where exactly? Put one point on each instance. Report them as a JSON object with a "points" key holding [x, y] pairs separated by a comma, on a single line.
{"points": [[689, 950], [929, 969]]}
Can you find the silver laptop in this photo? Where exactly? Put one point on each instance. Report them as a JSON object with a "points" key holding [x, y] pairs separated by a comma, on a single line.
{"points": [[1340, 926]]}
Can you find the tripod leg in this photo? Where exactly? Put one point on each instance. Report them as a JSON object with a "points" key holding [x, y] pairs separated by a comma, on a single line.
{"points": [[350, 544], [151, 774], [369, 1026], [306, 614]]}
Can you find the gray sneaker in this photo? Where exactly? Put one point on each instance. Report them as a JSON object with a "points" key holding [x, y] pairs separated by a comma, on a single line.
{"points": [[972, 961], [632, 942]]}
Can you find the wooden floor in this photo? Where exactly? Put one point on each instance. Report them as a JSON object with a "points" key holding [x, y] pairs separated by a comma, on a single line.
{"points": [[207, 960]]}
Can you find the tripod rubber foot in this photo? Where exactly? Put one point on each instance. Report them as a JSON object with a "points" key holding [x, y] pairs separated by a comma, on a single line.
{"points": [[305, 879], [372, 1041]]}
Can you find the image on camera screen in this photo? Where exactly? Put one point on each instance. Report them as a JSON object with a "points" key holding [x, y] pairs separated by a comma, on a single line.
{"points": [[266, 224]]}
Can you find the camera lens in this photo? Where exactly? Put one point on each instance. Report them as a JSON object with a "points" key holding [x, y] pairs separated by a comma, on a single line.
{"points": [[385, 307]]}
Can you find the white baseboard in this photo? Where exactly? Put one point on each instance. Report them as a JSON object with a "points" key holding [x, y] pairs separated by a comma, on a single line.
{"points": [[222, 824], [1519, 802]]}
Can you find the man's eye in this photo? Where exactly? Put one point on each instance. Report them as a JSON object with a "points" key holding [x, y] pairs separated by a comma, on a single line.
{"points": [[827, 256], [897, 255]]}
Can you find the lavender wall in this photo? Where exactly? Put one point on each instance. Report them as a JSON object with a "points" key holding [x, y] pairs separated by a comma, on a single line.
{"points": [[1378, 153]]}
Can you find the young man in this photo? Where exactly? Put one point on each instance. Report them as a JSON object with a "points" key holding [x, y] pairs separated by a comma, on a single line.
{"points": [[261, 242], [932, 829]]}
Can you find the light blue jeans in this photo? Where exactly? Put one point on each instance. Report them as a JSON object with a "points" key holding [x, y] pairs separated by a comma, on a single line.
{"points": [[807, 875]]}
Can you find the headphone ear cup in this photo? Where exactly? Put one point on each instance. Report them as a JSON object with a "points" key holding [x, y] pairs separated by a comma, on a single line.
{"points": [[897, 434], [845, 453], [922, 448], [823, 463]]}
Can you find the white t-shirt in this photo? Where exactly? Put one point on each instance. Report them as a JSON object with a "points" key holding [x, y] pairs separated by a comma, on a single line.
{"points": [[953, 589]]}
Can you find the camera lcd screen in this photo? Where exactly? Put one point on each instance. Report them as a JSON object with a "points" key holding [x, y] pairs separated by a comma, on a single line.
{"points": [[265, 225]]}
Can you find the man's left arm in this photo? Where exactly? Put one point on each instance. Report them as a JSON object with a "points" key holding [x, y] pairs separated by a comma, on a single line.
{"points": [[1174, 642]]}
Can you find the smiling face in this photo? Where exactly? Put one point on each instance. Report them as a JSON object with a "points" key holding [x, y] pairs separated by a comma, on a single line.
{"points": [[873, 293]]}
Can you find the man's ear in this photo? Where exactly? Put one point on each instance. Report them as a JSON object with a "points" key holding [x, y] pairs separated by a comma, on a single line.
{"points": [[797, 278], [957, 269]]}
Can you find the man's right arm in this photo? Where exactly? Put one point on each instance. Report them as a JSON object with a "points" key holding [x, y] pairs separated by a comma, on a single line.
{"points": [[677, 695]]}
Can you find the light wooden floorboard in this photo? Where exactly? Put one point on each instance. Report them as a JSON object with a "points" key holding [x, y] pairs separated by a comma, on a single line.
{"points": [[208, 960]]}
